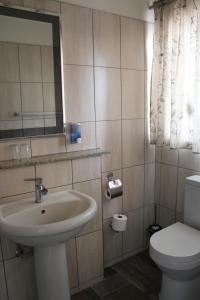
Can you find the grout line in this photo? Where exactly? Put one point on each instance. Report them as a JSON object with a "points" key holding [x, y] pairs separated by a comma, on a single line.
{"points": [[105, 67], [94, 82], [121, 169], [4, 269], [20, 83], [77, 268]]}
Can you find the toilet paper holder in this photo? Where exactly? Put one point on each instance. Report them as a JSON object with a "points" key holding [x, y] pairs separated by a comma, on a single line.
{"points": [[114, 187]]}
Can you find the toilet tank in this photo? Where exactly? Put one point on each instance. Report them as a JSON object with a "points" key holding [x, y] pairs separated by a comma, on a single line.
{"points": [[192, 201]]}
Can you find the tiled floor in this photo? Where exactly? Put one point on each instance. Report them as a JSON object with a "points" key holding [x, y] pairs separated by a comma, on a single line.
{"points": [[136, 278]]}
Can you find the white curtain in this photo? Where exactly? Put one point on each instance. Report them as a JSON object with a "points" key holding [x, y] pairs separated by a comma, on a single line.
{"points": [[175, 90]]}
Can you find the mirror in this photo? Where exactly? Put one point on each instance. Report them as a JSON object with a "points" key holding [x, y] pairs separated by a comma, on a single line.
{"points": [[30, 74]]}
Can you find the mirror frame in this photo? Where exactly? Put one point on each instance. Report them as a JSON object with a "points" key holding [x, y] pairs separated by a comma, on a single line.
{"points": [[55, 21]]}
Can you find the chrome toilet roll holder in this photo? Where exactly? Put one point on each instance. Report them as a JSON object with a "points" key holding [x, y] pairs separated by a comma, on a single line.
{"points": [[114, 187]]}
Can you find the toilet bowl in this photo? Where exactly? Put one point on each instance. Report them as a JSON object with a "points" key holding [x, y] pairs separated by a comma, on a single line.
{"points": [[176, 251]]}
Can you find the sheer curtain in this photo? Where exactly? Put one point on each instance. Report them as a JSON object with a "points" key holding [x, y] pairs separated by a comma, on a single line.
{"points": [[175, 90]]}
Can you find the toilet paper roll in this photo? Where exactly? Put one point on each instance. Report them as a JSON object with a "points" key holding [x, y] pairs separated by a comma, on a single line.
{"points": [[114, 189], [119, 222]]}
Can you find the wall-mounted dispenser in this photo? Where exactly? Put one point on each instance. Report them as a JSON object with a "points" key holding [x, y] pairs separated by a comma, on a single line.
{"points": [[114, 187], [73, 132]]}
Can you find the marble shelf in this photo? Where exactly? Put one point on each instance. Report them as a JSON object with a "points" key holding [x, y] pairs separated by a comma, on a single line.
{"points": [[51, 158]]}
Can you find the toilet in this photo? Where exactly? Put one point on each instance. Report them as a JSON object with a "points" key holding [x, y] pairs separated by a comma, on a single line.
{"points": [[176, 249]]}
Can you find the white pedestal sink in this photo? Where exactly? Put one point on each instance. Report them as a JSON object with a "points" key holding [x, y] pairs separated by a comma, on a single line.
{"points": [[46, 227]]}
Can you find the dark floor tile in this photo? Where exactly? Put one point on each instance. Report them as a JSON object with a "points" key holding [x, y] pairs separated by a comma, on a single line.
{"points": [[129, 292], [144, 276], [108, 272], [109, 285], [153, 297], [87, 294], [147, 259]]}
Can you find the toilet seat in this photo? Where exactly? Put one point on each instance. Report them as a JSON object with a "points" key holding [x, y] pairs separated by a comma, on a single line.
{"points": [[176, 247]]}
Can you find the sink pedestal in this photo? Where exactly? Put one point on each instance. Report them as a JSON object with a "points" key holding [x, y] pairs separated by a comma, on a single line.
{"points": [[52, 272]]}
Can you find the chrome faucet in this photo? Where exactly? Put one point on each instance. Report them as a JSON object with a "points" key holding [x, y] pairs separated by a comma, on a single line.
{"points": [[40, 190]]}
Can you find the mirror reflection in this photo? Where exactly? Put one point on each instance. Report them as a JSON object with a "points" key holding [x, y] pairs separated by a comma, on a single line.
{"points": [[30, 77]]}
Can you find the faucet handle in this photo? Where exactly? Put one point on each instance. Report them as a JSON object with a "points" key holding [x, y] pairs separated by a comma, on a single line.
{"points": [[38, 180]]}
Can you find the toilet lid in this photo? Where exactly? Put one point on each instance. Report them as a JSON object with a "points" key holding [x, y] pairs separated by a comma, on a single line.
{"points": [[177, 245]]}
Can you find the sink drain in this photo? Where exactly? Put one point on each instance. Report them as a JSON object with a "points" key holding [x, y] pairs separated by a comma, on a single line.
{"points": [[43, 211]]}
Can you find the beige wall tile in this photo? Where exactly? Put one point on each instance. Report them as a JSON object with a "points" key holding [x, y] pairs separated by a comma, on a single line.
{"points": [[166, 216], [86, 169], [6, 150], [44, 146], [47, 64], [93, 189], [6, 125], [90, 256], [88, 138], [60, 188], [182, 174], [44, 5], [49, 97], [149, 219], [179, 217], [133, 180], [107, 94], [133, 236], [109, 138], [49, 173], [12, 181], [132, 94], [13, 2], [149, 183], [9, 249], [168, 186], [112, 242], [112, 206], [30, 63], [149, 32], [72, 263], [9, 62], [189, 160], [79, 93], [17, 197], [158, 154], [170, 156], [34, 123], [149, 148], [157, 182], [133, 142], [10, 100], [132, 44], [3, 290], [20, 278], [77, 34], [106, 39], [32, 97]]}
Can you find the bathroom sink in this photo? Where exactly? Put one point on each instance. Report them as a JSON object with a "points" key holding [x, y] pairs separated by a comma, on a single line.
{"points": [[47, 226], [59, 217]]}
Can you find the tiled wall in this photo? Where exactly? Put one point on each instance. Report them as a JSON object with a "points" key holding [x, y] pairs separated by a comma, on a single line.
{"points": [[172, 167], [105, 80], [26, 85]]}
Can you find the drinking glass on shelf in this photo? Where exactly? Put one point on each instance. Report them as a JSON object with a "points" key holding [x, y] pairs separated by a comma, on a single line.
{"points": [[25, 151], [15, 149]]}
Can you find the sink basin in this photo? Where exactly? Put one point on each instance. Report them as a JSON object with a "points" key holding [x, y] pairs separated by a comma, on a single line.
{"points": [[47, 226], [60, 216]]}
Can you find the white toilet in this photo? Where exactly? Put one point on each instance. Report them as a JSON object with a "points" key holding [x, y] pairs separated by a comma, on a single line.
{"points": [[176, 249]]}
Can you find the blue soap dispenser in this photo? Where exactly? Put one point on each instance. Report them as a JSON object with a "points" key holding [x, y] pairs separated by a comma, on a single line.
{"points": [[75, 133]]}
